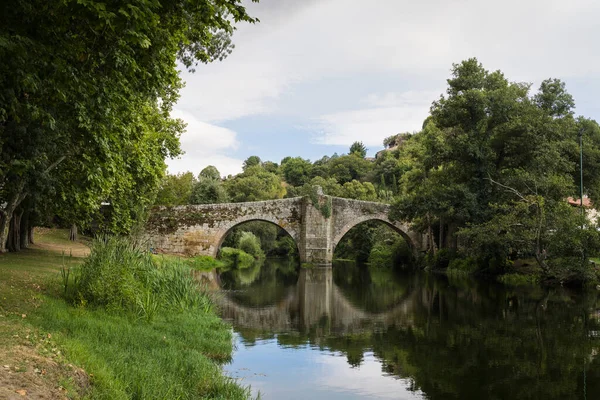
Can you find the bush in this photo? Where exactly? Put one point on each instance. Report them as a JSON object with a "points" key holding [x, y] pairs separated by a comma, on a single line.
{"points": [[519, 279], [442, 259], [466, 265], [235, 258], [119, 276], [249, 244]]}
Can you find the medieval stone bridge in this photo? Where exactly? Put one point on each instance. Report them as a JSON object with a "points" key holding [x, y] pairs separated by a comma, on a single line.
{"points": [[200, 229]]}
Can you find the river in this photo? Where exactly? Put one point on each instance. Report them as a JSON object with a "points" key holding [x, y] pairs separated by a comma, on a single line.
{"points": [[359, 332]]}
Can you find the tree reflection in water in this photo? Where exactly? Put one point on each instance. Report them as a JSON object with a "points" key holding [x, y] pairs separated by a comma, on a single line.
{"points": [[451, 338]]}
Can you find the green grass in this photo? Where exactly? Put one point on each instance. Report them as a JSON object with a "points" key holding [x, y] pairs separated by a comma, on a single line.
{"points": [[199, 263], [175, 356], [175, 353]]}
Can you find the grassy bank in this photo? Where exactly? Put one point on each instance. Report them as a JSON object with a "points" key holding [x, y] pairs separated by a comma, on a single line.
{"points": [[145, 335]]}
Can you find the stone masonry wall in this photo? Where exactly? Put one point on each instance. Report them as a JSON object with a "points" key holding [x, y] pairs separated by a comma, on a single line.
{"points": [[200, 229]]}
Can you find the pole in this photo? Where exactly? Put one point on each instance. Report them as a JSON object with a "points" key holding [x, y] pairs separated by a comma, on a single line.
{"points": [[581, 168]]}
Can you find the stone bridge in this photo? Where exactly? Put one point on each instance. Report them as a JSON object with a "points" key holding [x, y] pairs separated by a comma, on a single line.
{"points": [[201, 229]]}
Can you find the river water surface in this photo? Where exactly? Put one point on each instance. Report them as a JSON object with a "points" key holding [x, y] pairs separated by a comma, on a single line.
{"points": [[359, 332]]}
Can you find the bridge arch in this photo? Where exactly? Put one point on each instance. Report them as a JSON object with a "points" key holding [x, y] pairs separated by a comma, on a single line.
{"points": [[222, 233], [402, 229]]}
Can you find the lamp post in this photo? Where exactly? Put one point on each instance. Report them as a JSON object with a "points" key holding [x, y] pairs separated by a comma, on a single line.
{"points": [[581, 168]]}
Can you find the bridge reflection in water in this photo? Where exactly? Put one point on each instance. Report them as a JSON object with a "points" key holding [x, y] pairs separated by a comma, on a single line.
{"points": [[314, 302], [446, 338]]}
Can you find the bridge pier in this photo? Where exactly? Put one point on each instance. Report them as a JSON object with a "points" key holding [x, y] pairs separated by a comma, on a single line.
{"points": [[315, 244]]}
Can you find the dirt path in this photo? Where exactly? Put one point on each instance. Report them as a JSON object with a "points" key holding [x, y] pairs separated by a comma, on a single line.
{"points": [[57, 241], [31, 364]]}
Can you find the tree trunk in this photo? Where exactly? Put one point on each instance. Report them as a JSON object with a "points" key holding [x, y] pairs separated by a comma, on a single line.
{"points": [[441, 241], [24, 239], [430, 239], [14, 232], [30, 235], [6, 215], [73, 233]]}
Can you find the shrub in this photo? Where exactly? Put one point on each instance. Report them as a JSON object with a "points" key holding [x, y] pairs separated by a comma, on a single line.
{"points": [[249, 243], [519, 279], [235, 258], [118, 275], [466, 265]]}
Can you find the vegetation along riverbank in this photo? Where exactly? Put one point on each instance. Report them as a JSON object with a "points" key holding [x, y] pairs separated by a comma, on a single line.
{"points": [[118, 324]]}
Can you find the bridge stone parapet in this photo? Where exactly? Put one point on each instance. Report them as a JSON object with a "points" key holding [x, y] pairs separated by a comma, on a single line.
{"points": [[200, 229]]}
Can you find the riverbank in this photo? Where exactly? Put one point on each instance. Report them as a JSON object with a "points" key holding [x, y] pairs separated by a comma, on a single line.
{"points": [[50, 347]]}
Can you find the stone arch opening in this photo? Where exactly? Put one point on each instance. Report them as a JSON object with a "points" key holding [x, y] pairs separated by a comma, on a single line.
{"points": [[225, 231], [382, 220]]}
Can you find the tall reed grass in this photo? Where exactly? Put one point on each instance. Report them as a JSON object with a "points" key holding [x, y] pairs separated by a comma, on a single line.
{"points": [[143, 328]]}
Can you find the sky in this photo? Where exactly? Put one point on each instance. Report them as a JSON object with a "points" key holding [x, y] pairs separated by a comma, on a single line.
{"points": [[314, 76]]}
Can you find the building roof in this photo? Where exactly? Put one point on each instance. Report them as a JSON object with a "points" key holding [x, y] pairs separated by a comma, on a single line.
{"points": [[587, 202]]}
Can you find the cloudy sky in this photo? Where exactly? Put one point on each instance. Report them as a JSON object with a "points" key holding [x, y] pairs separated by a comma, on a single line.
{"points": [[316, 75]]}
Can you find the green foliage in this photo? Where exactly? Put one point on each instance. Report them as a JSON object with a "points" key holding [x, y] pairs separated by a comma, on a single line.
{"points": [[250, 244], [323, 204], [68, 146], [119, 276], [462, 264], [359, 191], [274, 241], [175, 190], [515, 279], [492, 168], [203, 263], [252, 161], [210, 172], [296, 171], [358, 149], [441, 259], [347, 168], [208, 191], [132, 358], [254, 184], [235, 258]]}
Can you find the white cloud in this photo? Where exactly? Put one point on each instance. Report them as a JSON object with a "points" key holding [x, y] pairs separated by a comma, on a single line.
{"points": [[387, 114], [205, 144], [303, 42], [369, 126]]}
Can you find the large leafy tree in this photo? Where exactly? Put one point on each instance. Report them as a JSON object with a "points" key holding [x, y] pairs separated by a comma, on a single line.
{"points": [[494, 165], [87, 88], [209, 188], [254, 184], [296, 171]]}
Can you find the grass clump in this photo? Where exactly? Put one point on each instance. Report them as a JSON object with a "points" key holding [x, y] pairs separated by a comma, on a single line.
{"points": [[204, 263], [142, 326]]}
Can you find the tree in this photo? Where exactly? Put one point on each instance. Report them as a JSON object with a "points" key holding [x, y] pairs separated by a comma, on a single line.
{"points": [[208, 191], [251, 161], [210, 172], [296, 171], [358, 149], [359, 191], [255, 184], [349, 167], [486, 141], [175, 189], [56, 126]]}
